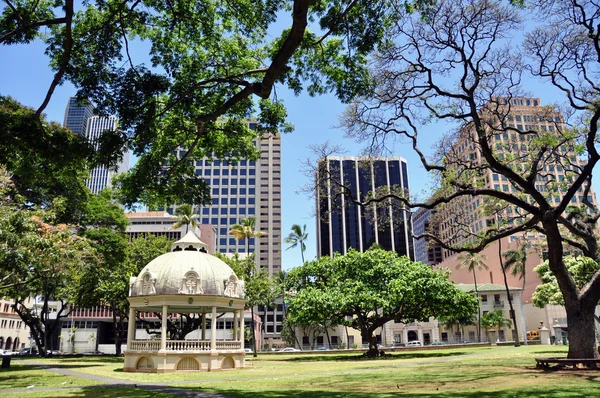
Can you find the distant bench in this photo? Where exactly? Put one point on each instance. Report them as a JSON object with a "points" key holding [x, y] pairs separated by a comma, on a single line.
{"points": [[561, 363]]}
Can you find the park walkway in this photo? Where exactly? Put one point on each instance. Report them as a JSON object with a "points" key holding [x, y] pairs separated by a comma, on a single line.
{"points": [[170, 387]]}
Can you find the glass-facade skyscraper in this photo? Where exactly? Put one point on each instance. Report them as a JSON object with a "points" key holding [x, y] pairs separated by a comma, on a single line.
{"points": [[79, 118], [342, 224]]}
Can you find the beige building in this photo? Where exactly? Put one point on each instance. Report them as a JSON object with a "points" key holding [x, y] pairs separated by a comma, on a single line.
{"points": [[553, 317], [159, 223], [14, 334], [460, 221]]}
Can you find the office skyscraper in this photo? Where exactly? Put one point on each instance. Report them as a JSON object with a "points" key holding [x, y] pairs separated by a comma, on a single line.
{"points": [[341, 224], [77, 115], [79, 118], [249, 189], [426, 251]]}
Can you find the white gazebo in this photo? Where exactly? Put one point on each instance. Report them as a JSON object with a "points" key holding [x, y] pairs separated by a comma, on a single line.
{"points": [[186, 280]]}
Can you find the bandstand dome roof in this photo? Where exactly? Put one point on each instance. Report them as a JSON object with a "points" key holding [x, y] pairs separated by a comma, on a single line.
{"points": [[187, 270]]}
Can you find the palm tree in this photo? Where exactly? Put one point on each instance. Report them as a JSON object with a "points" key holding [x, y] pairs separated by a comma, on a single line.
{"points": [[516, 260], [245, 230], [474, 262], [185, 216], [297, 237], [460, 323], [495, 319]]}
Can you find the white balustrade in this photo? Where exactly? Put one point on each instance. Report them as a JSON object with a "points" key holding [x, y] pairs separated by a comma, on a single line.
{"points": [[183, 345], [188, 345], [229, 345], [145, 345]]}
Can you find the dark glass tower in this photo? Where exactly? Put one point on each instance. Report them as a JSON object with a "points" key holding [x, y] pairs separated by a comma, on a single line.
{"points": [[343, 224]]}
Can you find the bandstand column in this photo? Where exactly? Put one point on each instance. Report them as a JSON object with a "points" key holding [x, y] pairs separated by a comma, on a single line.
{"points": [[235, 326], [242, 328], [131, 328], [203, 326], [213, 330], [163, 331]]}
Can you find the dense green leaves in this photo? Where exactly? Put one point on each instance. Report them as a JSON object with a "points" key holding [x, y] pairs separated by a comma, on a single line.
{"points": [[581, 269], [192, 73], [366, 290]]}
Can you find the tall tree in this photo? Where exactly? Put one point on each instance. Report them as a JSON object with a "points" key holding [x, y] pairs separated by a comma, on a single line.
{"points": [[515, 262], [513, 315], [452, 63], [103, 223], [245, 231], [297, 238], [367, 290], [185, 216], [474, 262]]}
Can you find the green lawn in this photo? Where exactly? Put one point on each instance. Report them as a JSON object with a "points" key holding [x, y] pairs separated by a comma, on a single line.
{"points": [[21, 375], [461, 372]]}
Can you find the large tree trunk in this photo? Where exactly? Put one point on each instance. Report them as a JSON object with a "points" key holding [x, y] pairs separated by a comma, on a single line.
{"points": [[366, 334], [582, 331], [327, 334], [580, 312]]}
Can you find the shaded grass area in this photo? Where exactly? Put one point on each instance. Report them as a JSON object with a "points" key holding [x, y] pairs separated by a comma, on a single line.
{"points": [[389, 356], [96, 392], [21, 375]]}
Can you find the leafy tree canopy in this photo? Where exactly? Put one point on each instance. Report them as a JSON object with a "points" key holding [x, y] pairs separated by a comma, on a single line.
{"points": [[581, 269], [366, 290], [210, 65], [46, 161]]}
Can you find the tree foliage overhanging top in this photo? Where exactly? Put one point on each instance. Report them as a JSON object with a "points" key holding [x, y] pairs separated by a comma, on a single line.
{"points": [[210, 66]]}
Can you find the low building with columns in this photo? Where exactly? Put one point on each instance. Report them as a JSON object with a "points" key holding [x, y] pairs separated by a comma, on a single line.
{"points": [[187, 280]]}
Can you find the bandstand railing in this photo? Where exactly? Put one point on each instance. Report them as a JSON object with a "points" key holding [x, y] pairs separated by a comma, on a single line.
{"points": [[145, 345], [183, 345]]}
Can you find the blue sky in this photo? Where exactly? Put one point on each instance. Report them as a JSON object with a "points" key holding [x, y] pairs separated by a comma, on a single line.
{"points": [[24, 75]]}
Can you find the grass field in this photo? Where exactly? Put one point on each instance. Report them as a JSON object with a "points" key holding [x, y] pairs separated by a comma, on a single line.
{"points": [[461, 372]]}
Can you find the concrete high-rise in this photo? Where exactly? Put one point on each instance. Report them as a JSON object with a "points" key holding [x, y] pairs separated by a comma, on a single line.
{"points": [[463, 220], [426, 250], [80, 118], [249, 189], [342, 224]]}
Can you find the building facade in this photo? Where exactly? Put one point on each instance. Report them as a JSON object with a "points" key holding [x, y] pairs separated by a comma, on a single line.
{"points": [[426, 250], [142, 224], [80, 118], [522, 119], [249, 189], [342, 224], [14, 334]]}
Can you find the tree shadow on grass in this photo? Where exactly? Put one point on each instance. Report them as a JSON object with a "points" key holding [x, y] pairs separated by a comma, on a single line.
{"points": [[551, 392], [387, 357], [563, 353]]}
